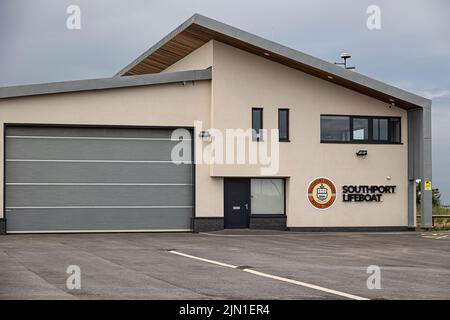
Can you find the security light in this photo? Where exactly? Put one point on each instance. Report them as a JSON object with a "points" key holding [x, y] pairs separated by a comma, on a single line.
{"points": [[361, 153], [205, 135]]}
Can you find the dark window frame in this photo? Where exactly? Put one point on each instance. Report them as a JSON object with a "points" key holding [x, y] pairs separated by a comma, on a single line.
{"points": [[259, 138], [370, 139], [286, 139]]}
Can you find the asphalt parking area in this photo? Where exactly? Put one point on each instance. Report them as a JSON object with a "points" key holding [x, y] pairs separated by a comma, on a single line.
{"points": [[226, 265]]}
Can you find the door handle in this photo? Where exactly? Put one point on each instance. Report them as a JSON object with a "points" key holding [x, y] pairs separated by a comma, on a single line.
{"points": [[246, 206]]}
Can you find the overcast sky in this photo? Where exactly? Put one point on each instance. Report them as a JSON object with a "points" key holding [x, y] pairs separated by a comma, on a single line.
{"points": [[411, 51]]}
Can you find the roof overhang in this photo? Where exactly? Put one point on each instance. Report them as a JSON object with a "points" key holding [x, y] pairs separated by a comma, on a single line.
{"points": [[198, 30], [106, 83]]}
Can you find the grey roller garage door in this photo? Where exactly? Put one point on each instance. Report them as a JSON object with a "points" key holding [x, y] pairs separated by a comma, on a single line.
{"points": [[95, 179]]}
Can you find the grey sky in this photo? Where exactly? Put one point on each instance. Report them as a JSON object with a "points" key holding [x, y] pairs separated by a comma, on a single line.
{"points": [[411, 51]]}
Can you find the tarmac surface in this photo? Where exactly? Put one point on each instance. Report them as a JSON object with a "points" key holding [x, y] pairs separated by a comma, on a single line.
{"points": [[231, 264]]}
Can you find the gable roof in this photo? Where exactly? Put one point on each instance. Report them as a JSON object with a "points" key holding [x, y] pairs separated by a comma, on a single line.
{"points": [[198, 30]]}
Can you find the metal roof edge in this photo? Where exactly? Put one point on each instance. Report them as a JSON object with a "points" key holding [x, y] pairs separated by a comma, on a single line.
{"points": [[104, 83], [292, 54], [311, 61]]}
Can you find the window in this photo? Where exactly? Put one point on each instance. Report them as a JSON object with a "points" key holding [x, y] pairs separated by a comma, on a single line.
{"points": [[334, 128], [257, 123], [395, 130], [283, 124], [359, 129], [380, 129], [267, 196]]}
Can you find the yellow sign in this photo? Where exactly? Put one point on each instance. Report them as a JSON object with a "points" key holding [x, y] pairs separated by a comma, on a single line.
{"points": [[428, 185]]}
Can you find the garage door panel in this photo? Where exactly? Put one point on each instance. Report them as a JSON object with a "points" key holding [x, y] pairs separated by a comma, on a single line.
{"points": [[85, 195], [80, 172], [75, 179], [68, 149], [99, 219], [89, 132]]}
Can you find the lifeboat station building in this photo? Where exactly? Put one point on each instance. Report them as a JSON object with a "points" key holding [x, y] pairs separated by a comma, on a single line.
{"points": [[214, 128]]}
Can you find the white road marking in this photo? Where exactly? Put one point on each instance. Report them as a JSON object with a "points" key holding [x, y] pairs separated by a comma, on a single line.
{"points": [[435, 236], [245, 235], [307, 285], [204, 260], [266, 275]]}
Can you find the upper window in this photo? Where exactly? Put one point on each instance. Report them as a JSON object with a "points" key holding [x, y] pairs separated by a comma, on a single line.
{"points": [[359, 129], [283, 124], [334, 128], [395, 132], [380, 129], [257, 123]]}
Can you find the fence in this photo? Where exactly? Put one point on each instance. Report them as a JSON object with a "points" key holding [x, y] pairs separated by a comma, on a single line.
{"points": [[434, 216]]}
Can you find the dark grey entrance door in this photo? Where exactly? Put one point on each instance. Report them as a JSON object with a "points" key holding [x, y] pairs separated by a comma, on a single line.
{"points": [[237, 203]]}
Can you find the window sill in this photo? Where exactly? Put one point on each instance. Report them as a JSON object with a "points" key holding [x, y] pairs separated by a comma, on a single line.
{"points": [[284, 140]]}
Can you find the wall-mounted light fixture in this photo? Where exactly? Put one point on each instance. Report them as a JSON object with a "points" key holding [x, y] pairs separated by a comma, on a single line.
{"points": [[391, 103], [361, 153], [205, 135]]}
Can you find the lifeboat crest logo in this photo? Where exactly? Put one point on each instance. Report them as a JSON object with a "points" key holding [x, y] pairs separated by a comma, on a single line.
{"points": [[322, 193]]}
